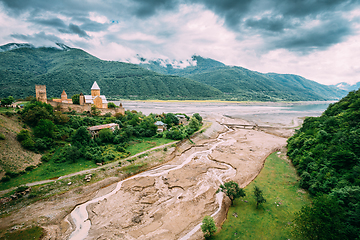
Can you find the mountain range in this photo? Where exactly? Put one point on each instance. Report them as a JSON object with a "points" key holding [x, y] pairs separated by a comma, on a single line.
{"points": [[74, 70], [242, 84]]}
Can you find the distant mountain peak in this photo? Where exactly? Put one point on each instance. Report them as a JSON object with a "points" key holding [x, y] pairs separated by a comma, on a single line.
{"points": [[166, 63], [12, 46]]}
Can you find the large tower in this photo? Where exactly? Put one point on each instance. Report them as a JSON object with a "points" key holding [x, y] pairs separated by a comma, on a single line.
{"points": [[41, 93], [95, 90]]}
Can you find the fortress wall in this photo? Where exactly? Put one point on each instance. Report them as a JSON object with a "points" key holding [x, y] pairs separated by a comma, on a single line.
{"points": [[64, 107]]}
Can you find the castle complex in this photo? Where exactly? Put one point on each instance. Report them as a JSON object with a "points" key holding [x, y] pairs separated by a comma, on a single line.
{"points": [[85, 101]]}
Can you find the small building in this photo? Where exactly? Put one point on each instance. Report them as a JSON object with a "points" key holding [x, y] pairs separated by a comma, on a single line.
{"points": [[182, 119], [94, 130], [160, 126], [64, 98]]}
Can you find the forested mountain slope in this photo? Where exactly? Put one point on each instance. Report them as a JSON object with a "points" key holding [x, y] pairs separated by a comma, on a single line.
{"points": [[326, 154], [242, 84], [74, 71]]}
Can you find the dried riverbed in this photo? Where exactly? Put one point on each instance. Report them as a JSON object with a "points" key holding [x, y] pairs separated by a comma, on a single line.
{"points": [[169, 202]]}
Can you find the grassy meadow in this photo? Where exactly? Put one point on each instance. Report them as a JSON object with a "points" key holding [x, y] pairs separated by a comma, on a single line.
{"points": [[49, 170], [280, 186]]}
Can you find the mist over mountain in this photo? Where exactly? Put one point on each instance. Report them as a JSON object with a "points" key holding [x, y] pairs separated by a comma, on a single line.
{"points": [[347, 87], [242, 84]]}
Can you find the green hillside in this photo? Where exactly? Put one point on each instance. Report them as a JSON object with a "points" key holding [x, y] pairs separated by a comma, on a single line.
{"points": [[326, 154], [238, 83], [75, 71]]}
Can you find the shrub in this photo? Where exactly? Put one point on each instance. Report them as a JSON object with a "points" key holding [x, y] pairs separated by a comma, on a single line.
{"points": [[120, 149], [2, 136], [24, 134], [112, 105], [106, 135], [28, 144]]}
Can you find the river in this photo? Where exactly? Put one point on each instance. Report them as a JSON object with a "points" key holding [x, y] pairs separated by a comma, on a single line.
{"points": [[260, 113]]}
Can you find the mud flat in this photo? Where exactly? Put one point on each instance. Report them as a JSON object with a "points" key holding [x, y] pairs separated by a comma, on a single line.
{"points": [[169, 202]]}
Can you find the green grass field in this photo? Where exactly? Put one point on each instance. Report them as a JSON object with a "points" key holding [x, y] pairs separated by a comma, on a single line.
{"points": [[30, 233], [272, 220], [49, 170]]}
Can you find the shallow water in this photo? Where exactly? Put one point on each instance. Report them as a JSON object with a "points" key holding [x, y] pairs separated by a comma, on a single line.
{"points": [[282, 113]]}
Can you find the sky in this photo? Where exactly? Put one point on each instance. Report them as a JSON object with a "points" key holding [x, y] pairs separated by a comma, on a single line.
{"points": [[317, 39]]}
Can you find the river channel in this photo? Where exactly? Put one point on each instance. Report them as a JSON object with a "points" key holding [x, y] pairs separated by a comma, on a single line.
{"points": [[260, 113]]}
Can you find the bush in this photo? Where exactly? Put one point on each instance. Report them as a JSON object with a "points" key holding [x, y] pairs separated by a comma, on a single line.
{"points": [[106, 135], [120, 149], [2, 136], [9, 114], [112, 105], [6, 179], [24, 134], [29, 168], [46, 157], [28, 144]]}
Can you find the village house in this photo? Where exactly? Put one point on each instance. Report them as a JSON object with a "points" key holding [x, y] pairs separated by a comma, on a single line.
{"points": [[94, 130], [160, 126], [182, 119]]}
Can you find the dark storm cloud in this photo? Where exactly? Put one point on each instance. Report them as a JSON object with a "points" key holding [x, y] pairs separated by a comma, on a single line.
{"points": [[147, 8], [269, 24], [302, 8], [52, 22], [281, 23], [320, 37], [38, 37], [74, 29], [233, 11]]}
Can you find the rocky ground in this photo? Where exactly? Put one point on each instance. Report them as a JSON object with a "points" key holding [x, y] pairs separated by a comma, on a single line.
{"points": [[166, 202]]}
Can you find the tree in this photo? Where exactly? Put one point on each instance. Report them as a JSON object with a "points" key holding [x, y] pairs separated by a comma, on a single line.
{"points": [[208, 226], [44, 128], [7, 101], [112, 105], [232, 190], [194, 124], [323, 220], [81, 137], [94, 111], [198, 117], [106, 135], [259, 198], [171, 119], [76, 99]]}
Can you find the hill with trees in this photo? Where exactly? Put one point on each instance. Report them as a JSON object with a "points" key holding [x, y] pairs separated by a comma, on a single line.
{"points": [[73, 70], [326, 154], [242, 84]]}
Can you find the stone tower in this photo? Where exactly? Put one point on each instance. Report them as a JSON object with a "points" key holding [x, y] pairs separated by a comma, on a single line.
{"points": [[41, 93], [81, 99], [63, 96], [95, 90]]}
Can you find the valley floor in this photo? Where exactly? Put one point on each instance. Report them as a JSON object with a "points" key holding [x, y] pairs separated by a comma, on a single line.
{"points": [[165, 202]]}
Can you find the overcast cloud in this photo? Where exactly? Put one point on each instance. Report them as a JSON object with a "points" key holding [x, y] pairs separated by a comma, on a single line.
{"points": [[317, 39]]}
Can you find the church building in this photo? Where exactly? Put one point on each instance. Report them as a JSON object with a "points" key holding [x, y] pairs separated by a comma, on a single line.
{"points": [[95, 98]]}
